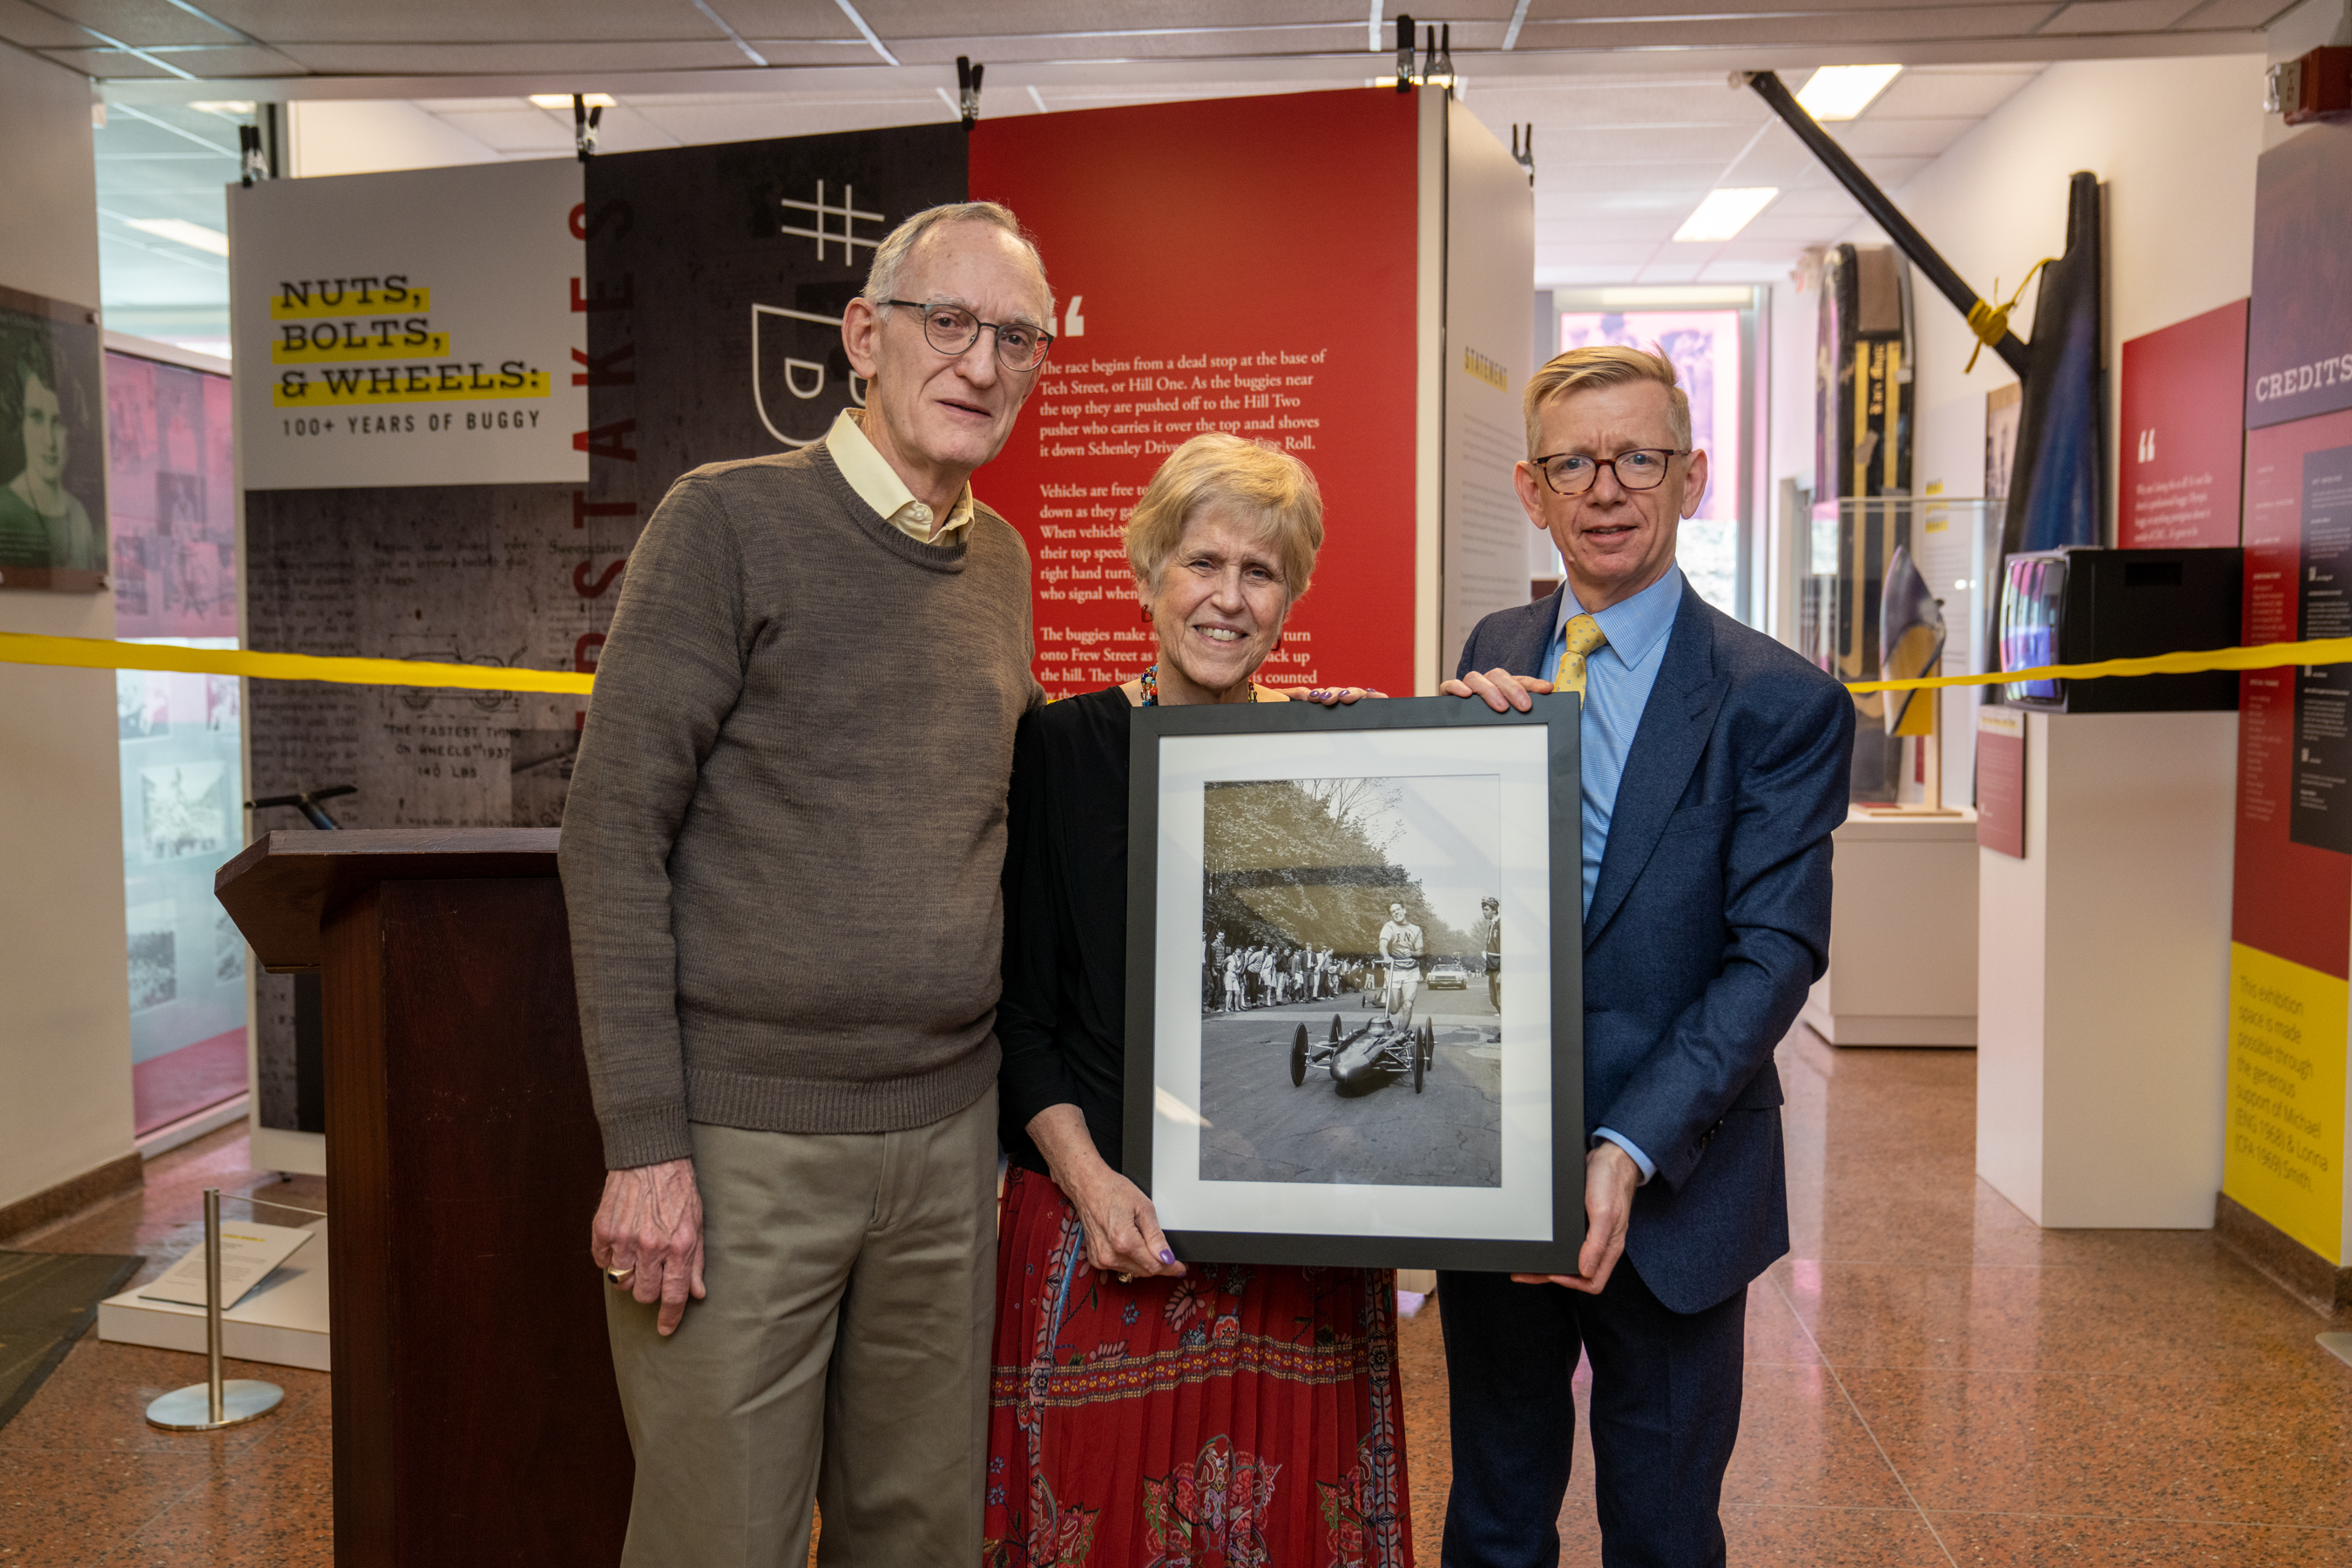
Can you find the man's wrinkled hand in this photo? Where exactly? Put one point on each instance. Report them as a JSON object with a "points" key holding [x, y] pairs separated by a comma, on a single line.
{"points": [[650, 1225], [1499, 688], [1610, 1178]]}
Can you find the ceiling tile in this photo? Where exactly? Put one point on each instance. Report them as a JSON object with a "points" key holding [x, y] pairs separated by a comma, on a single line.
{"points": [[1872, 137], [29, 27], [237, 60], [483, 59], [1933, 92], [556, 22], [2118, 16], [141, 21]]}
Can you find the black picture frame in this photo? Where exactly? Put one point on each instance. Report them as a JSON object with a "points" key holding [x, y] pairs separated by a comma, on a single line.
{"points": [[1557, 716]]}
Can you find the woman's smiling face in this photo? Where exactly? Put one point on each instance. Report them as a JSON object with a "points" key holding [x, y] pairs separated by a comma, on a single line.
{"points": [[1220, 603]]}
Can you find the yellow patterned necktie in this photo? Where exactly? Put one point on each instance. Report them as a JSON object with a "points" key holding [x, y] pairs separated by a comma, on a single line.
{"points": [[1585, 635]]}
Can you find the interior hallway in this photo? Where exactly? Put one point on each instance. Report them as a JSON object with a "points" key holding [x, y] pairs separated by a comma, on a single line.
{"points": [[1931, 1380]]}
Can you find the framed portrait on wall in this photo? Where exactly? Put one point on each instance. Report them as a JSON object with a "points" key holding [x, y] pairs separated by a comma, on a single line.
{"points": [[1354, 1012], [52, 446]]}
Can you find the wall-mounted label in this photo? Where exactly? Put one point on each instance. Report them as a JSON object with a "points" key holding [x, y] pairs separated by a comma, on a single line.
{"points": [[2001, 780], [421, 328], [2183, 434]]}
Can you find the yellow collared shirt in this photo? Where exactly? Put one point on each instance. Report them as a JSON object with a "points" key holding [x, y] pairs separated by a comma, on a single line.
{"points": [[877, 484]]}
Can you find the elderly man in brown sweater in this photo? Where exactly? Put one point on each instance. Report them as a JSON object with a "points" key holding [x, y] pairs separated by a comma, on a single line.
{"points": [[780, 856]]}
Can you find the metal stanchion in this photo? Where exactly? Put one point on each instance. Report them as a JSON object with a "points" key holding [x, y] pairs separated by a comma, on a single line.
{"points": [[209, 1405]]}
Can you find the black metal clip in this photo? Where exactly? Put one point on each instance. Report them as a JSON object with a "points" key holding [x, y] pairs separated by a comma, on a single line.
{"points": [[1404, 53], [968, 89], [252, 163], [1524, 154], [585, 122]]}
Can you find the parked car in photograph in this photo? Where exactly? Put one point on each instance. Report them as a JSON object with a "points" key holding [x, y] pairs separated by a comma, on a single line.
{"points": [[1448, 972]]}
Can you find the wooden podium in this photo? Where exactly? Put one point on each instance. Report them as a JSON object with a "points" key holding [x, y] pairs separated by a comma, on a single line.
{"points": [[475, 1419]]}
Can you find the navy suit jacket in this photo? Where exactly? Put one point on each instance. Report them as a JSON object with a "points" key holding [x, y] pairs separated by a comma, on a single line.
{"points": [[1710, 919]]}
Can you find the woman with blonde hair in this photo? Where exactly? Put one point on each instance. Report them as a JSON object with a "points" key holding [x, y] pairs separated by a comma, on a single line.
{"points": [[1141, 1409]]}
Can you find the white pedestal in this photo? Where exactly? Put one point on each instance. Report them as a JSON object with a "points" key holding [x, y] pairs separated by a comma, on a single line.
{"points": [[1902, 934], [282, 1320], [2104, 973]]}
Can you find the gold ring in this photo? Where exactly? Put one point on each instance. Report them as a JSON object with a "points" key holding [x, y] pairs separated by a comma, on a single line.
{"points": [[619, 1276]]}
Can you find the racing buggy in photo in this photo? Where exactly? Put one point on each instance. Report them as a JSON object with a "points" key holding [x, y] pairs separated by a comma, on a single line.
{"points": [[1368, 1059]]}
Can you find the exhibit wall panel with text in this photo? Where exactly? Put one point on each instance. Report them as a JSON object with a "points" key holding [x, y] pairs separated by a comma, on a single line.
{"points": [[2291, 916], [1489, 358], [1245, 264], [2291, 922], [2183, 441], [412, 427]]}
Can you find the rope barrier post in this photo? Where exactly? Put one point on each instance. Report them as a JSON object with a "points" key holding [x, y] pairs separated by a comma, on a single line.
{"points": [[215, 1402]]}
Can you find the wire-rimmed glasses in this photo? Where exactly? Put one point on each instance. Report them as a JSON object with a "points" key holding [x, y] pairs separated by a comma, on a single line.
{"points": [[952, 330], [1639, 468]]}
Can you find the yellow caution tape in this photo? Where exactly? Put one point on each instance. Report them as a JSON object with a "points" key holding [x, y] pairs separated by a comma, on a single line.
{"points": [[96, 653], [2267, 656]]}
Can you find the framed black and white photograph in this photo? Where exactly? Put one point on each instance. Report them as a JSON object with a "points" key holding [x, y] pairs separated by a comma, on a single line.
{"points": [[52, 446], [1355, 1010]]}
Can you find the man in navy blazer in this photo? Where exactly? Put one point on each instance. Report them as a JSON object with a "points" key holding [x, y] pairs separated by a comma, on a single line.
{"points": [[1715, 769]]}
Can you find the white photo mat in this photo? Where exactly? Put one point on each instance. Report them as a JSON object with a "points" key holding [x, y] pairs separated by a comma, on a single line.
{"points": [[1521, 1208]]}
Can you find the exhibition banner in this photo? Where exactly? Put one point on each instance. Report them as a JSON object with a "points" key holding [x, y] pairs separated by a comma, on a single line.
{"points": [[2291, 910], [1245, 264], [2299, 330], [420, 328], [2183, 438], [715, 281]]}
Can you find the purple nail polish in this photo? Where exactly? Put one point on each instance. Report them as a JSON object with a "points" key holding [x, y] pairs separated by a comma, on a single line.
{"points": [[1166, 1255]]}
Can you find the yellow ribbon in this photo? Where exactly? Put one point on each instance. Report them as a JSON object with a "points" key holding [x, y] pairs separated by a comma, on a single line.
{"points": [[1989, 321], [2267, 656], [96, 653]]}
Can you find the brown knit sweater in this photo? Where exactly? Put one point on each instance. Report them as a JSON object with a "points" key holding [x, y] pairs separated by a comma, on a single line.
{"points": [[781, 848]]}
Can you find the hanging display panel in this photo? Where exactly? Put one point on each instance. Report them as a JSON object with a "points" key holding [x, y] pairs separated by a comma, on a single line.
{"points": [[408, 328], [1246, 264]]}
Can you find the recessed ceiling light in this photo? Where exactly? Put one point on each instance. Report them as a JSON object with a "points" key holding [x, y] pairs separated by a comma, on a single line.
{"points": [[230, 106], [182, 231], [1726, 212], [563, 100], [1841, 92]]}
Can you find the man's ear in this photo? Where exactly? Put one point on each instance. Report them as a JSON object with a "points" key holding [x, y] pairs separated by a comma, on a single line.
{"points": [[861, 337], [1695, 488]]}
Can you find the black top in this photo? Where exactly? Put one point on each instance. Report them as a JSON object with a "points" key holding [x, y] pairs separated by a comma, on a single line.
{"points": [[1062, 1019]]}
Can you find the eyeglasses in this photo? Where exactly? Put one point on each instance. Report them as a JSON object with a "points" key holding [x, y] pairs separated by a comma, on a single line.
{"points": [[952, 330], [1643, 469]]}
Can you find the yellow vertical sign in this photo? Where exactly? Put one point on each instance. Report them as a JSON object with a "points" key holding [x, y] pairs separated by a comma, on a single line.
{"points": [[2285, 1139]]}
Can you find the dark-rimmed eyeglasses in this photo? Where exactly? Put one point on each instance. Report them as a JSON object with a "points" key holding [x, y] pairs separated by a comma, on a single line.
{"points": [[1642, 468], [952, 330]]}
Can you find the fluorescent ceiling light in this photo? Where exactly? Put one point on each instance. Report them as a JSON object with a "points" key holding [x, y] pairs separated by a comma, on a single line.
{"points": [[1841, 92], [228, 105], [1726, 212], [563, 100], [182, 230]]}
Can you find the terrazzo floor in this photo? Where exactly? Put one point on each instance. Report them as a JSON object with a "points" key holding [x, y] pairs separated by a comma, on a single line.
{"points": [[1931, 1380]]}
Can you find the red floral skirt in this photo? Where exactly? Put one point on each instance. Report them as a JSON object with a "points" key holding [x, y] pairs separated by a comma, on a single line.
{"points": [[1240, 1415]]}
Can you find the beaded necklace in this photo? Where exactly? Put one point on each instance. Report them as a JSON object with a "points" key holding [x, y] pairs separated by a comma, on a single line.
{"points": [[1151, 688]]}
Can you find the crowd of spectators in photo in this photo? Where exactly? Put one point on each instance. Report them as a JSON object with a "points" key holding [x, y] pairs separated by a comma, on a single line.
{"points": [[1239, 976]]}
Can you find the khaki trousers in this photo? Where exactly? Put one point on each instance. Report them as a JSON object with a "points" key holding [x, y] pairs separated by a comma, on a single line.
{"points": [[840, 1356]]}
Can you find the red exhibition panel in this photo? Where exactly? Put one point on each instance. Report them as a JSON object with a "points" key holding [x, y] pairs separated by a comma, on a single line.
{"points": [[2183, 432], [2293, 901], [1243, 265]]}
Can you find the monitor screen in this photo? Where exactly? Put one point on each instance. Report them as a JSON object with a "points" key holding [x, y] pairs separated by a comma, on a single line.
{"points": [[2032, 591]]}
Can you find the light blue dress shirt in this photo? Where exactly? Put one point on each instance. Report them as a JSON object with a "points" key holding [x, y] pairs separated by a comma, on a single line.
{"points": [[1618, 676]]}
